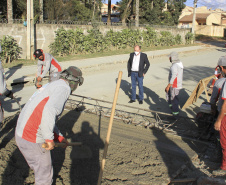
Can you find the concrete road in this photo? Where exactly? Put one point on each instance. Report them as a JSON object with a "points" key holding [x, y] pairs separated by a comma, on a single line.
{"points": [[100, 79]]}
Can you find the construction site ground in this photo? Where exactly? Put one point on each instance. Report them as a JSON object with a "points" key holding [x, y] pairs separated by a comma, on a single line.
{"points": [[136, 154]]}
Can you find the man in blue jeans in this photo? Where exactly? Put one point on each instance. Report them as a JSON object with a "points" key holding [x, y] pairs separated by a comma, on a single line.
{"points": [[138, 65]]}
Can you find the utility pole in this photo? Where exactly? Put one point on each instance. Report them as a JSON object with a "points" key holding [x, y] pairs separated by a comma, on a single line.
{"points": [[30, 29], [194, 16], [137, 13]]}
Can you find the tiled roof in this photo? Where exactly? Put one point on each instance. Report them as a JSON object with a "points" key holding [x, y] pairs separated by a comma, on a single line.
{"points": [[199, 16]]}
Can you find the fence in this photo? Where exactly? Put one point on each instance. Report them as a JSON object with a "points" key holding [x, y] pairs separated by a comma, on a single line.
{"points": [[93, 23]]}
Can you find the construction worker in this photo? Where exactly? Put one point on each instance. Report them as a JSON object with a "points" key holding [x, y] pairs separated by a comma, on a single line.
{"points": [[51, 65], [215, 95], [36, 123], [175, 83], [1, 68], [220, 124], [3, 91]]}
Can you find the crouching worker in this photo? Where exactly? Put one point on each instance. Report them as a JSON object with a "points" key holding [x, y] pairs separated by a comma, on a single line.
{"points": [[36, 123], [51, 65], [220, 124], [3, 92]]}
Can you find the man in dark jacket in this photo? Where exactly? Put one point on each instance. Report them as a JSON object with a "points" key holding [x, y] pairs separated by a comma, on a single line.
{"points": [[138, 65]]}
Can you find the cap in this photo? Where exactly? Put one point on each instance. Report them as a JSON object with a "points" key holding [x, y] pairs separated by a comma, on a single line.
{"points": [[222, 61], [73, 75], [173, 54], [38, 53]]}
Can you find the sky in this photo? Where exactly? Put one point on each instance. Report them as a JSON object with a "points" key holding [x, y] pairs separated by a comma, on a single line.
{"points": [[209, 3]]}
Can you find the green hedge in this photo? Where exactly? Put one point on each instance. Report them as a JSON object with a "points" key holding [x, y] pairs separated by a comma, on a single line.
{"points": [[74, 41]]}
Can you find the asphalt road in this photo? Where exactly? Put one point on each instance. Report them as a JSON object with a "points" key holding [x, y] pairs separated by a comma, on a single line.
{"points": [[100, 81]]}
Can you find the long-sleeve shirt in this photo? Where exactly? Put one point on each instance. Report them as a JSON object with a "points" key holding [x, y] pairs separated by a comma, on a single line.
{"points": [[1, 68], [36, 122], [216, 90], [3, 89], [176, 75], [51, 65]]}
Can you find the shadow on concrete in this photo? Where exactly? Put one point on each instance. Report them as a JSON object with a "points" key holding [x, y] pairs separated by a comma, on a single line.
{"points": [[222, 50], [65, 125], [85, 164], [125, 86], [7, 104], [17, 169], [12, 70], [178, 156], [220, 44], [85, 159], [195, 73]]}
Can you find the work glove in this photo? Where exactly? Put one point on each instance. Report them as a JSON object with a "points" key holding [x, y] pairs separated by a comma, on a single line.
{"points": [[38, 85], [9, 94], [39, 79]]}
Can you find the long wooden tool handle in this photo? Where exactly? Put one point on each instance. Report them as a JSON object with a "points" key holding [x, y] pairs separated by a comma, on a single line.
{"points": [[110, 127], [45, 145]]}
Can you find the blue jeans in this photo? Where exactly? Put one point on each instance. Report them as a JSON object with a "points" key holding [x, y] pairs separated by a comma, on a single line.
{"points": [[134, 79]]}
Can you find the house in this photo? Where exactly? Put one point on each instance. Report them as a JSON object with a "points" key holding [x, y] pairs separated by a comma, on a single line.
{"points": [[114, 8], [200, 19], [208, 22]]}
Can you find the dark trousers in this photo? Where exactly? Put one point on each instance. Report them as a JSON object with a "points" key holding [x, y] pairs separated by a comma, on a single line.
{"points": [[173, 98], [134, 79], [223, 142], [1, 113]]}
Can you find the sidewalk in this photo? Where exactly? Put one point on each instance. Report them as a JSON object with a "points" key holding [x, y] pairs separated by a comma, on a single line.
{"points": [[27, 73]]}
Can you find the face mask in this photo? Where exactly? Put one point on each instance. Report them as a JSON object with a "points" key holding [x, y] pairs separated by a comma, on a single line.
{"points": [[136, 53], [222, 73]]}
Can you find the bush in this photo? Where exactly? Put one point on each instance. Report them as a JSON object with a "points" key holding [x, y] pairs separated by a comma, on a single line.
{"points": [[167, 39], [150, 37], [189, 37], [74, 41], [178, 39], [10, 49]]}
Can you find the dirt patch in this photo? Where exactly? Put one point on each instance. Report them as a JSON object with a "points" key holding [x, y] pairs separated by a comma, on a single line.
{"points": [[135, 155]]}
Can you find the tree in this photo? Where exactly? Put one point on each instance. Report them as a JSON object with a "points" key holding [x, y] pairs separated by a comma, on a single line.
{"points": [[109, 12], [10, 11], [125, 5], [79, 11], [137, 12], [151, 11], [41, 10], [175, 8], [3, 9]]}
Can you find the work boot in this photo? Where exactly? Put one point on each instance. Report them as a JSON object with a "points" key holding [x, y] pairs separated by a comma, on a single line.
{"points": [[219, 172]]}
